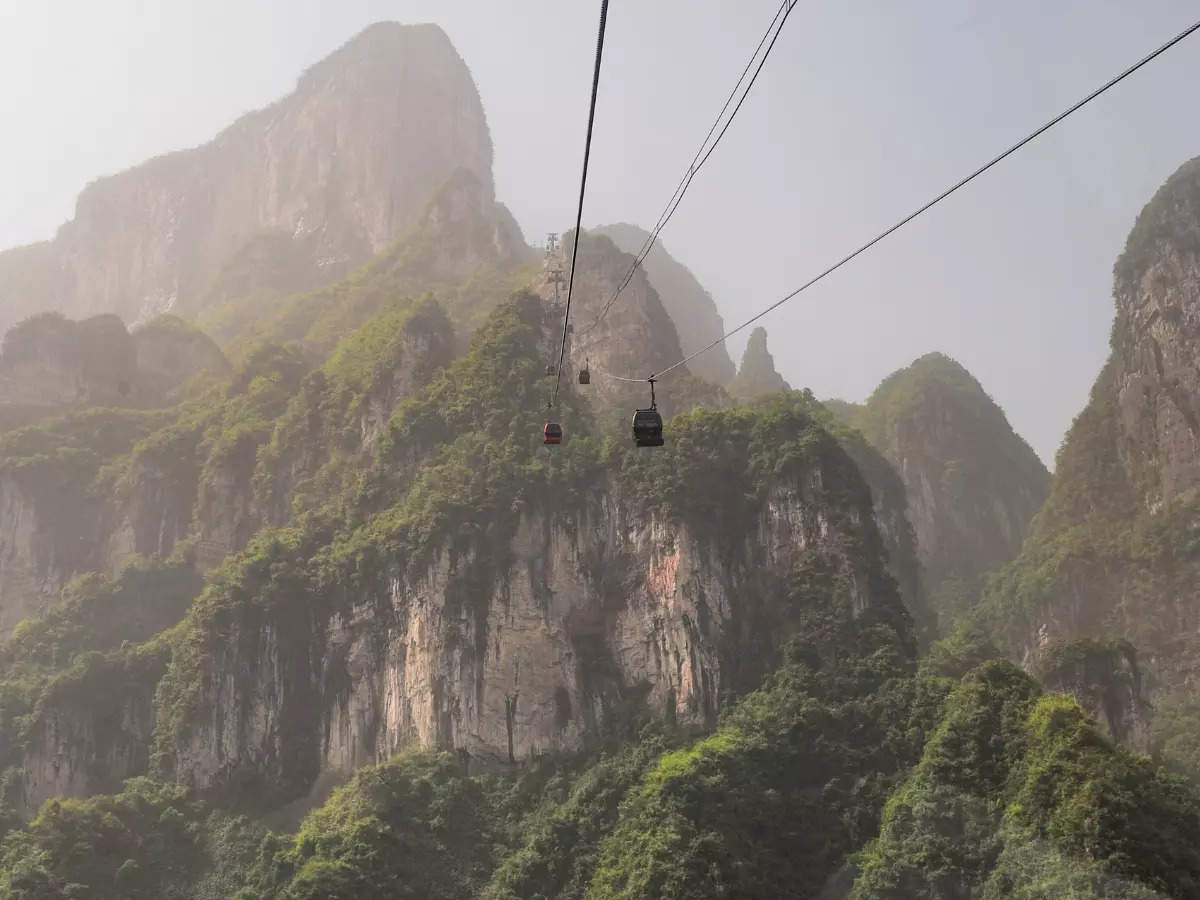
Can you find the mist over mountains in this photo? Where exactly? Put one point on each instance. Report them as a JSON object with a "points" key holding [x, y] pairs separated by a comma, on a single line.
{"points": [[297, 604]]}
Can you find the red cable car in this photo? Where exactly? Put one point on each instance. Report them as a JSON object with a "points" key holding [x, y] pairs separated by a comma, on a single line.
{"points": [[552, 433]]}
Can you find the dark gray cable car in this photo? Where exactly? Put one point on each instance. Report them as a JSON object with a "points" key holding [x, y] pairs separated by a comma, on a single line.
{"points": [[648, 424], [585, 376]]}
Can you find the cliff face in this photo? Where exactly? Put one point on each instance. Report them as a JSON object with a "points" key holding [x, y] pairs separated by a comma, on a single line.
{"points": [[1112, 554], [973, 485], [690, 306], [532, 639], [1156, 347], [339, 169]]}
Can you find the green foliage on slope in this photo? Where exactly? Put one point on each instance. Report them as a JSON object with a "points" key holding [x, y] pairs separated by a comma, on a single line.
{"points": [[1017, 794]]}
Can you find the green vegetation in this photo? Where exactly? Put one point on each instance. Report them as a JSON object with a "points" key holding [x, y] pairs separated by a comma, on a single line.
{"points": [[358, 461], [1012, 781]]}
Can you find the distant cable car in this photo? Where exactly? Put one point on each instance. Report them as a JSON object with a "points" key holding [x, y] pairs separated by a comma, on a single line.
{"points": [[552, 433], [648, 424], [585, 376]]}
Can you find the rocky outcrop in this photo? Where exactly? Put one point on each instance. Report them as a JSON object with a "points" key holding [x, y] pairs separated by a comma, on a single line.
{"points": [[93, 727], [341, 168], [691, 308], [170, 353], [757, 374], [1105, 679], [54, 362], [50, 365], [973, 485]]}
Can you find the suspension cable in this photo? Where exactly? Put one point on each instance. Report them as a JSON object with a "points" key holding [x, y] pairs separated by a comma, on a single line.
{"points": [[938, 199], [587, 152], [701, 157]]}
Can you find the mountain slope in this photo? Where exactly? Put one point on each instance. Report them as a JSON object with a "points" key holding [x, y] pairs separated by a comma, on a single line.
{"points": [[317, 182]]}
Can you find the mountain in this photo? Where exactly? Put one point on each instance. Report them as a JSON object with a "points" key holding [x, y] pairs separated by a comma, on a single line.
{"points": [[286, 198], [1111, 556], [691, 308], [973, 485], [308, 610]]}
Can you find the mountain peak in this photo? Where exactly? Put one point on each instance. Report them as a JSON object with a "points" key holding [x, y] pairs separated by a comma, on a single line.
{"points": [[331, 174]]}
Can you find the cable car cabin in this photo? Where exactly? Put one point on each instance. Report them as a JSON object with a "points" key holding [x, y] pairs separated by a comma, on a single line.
{"points": [[647, 428], [552, 433], [585, 377]]}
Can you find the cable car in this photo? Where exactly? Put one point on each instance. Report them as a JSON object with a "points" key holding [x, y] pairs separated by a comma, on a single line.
{"points": [[585, 376], [552, 433], [647, 428]]}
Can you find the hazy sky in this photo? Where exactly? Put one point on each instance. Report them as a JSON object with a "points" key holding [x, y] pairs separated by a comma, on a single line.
{"points": [[866, 109]]}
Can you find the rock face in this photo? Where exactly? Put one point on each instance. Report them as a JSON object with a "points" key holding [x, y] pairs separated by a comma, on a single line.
{"points": [[1155, 368], [689, 305], [973, 485], [757, 374], [339, 169], [532, 646]]}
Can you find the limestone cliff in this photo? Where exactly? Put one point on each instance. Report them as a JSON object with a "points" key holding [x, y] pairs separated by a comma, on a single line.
{"points": [[973, 485], [286, 198], [1112, 553], [691, 308], [530, 637]]}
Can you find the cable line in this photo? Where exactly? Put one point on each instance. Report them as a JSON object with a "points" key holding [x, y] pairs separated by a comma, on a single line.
{"points": [[587, 152], [701, 157], [938, 199]]}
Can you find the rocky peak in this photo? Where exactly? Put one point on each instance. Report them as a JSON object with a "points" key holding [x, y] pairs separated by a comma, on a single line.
{"points": [[973, 484], [690, 306], [339, 169], [1155, 367], [757, 374]]}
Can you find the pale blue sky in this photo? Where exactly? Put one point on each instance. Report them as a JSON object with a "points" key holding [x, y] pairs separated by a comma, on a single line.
{"points": [[866, 108]]}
